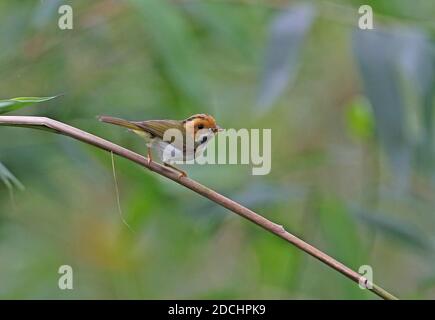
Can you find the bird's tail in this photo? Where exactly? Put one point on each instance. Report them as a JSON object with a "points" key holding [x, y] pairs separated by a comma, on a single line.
{"points": [[119, 122]]}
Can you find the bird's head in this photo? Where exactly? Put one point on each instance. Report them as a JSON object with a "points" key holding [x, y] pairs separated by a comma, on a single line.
{"points": [[202, 122], [204, 127]]}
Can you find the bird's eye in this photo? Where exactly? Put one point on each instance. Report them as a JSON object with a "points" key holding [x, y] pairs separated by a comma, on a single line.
{"points": [[204, 139], [200, 126]]}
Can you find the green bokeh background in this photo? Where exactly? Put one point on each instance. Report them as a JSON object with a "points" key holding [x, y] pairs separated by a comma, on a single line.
{"points": [[334, 181]]}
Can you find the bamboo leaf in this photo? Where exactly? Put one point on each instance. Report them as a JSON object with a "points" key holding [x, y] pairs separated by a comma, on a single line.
{"points": [[287, 33], [359, 118], [9, 179], [417, 61], [376, 53], [174, 43], [17, 103], [341, 235], [395, 228]]}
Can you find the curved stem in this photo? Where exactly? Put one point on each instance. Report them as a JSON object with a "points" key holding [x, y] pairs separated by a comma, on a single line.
{"points": [[278, 230]]}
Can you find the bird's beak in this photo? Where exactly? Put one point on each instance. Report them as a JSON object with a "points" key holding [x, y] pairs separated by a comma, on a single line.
{"points": [[217, 129]]}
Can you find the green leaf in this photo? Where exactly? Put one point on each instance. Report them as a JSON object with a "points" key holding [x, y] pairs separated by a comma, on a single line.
{"points": [[417, 62], [234, 33], [287, 35], [9, 179], [17, 103], [377, 53], [395, 228], [340, 230], [175, 45], [360, 120], [342, 238]]}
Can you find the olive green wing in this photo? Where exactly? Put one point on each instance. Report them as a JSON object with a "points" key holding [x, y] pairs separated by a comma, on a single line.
{"points": [[157, 128]]}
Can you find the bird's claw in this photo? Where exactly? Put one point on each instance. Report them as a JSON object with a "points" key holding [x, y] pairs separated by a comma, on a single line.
{"points": [[149, 158]]}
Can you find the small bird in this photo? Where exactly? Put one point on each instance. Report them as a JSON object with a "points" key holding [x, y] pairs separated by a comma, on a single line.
{"points": [[201, 128]]}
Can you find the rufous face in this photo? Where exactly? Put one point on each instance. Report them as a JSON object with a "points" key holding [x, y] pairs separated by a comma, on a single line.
{"points": [[202, 121]]}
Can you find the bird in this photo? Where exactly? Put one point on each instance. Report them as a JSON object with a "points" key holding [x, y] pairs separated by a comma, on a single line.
{"points": [[201, 128]]}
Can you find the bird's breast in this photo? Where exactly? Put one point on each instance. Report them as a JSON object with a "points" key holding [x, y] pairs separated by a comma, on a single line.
{"points": [[169, 153]]}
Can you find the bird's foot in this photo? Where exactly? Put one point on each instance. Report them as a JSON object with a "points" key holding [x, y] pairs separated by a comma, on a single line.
{"points": [[149, 158]]}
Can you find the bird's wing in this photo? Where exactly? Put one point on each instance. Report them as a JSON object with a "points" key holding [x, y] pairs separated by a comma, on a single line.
{"points": [[158, 128]]}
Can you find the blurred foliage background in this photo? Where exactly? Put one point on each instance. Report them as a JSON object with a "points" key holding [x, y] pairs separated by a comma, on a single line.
{"points": [[353, 173]]}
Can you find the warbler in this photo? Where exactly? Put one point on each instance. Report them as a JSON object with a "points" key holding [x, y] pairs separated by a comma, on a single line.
{"points": [[200, 129]]}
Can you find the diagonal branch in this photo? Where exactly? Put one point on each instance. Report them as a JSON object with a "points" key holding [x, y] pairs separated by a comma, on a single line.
{"points": [[62, 128]]}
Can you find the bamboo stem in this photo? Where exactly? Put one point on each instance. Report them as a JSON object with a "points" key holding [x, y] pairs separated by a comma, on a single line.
{"points": [[212, 195]]}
